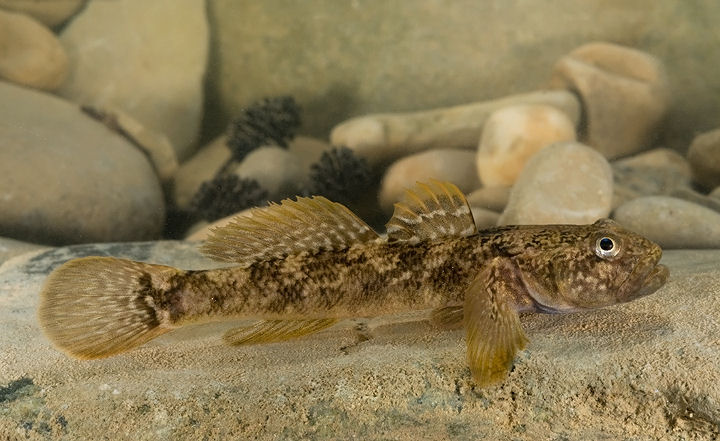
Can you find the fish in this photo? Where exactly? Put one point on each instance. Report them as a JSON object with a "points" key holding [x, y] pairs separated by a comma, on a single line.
{"points": [[300, 266]]}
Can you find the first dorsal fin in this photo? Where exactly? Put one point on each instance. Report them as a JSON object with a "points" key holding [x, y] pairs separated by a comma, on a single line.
{"points": [[308, 224], [431, 211]]}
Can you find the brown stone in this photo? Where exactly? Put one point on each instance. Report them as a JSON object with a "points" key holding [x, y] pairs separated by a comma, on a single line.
{"points": [[66, 178], [513, 134], [704, 157], [456, 166], [30, 55], [671, 222], [383, 137], [145, 58], [625, 95], [564, 183], [49, 12]]}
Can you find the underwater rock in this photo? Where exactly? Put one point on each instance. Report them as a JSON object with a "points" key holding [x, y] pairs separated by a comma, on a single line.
{"points": [[201, 167], [484, 218], [648, 370], [207, 161], [704, 157], [655, 172], [715, 193], [491, 198], [155, 145], [276, 169], [671, 222], [30, 55], [513, 134], [147, 59], [695, 197], [624, 91], [564, 183], [11, 248], [384, 137], [345, 59], [49, 12], [457, 166], [65, 178]]}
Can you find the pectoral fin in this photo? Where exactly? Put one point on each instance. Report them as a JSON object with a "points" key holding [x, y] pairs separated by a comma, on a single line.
{"points": [[447, 317], [272, 331], [492, 325]]}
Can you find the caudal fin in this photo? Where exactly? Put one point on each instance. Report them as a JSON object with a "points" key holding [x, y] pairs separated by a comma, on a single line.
{"points": [[95, 307]]}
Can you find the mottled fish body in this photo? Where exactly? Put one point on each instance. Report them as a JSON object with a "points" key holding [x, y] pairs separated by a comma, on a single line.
{"points": [[303, 265]]}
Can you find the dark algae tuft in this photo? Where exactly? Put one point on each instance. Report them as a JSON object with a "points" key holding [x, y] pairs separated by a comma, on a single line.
{"points": [[271, 121], [17, 389], [340, 175], [225, 195]]}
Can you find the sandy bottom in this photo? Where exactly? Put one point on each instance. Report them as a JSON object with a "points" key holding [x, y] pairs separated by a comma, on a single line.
{"points": [[649, 369]]}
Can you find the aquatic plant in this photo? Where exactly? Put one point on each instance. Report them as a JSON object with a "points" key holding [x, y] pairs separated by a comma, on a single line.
{"points": [[225, 195], [268, 121], [339, 175]]}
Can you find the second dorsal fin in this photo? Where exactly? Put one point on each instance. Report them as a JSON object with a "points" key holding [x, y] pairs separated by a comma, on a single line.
{"points": [[308, 224], [431, 211]]}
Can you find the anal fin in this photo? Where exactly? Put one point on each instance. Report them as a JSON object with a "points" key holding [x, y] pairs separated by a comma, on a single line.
{"points": [[272, 331], [492, 325]]}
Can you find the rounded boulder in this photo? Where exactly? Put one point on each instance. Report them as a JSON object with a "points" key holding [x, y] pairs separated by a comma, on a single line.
{"points": [[66, 178]]}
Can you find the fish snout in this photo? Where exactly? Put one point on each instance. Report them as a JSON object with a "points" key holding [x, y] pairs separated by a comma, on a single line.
{"points": [[646, 280]]}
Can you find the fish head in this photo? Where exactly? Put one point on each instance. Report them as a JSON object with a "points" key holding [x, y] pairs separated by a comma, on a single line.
{"points": [[598, 265]]}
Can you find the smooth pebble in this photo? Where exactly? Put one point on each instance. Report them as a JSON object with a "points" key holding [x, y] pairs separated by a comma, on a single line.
{"points": [[656, 172], [456, 166], [491, 198], [695, 197], [10, 248], [565, 183], [671, 222], [156, 145], [65, 178], [276, 169], [30, 54], [380, 138], [513, 134], [49, 12], [484, 218], [704, 157], [145, 58], [303, 152], [624, 91]]}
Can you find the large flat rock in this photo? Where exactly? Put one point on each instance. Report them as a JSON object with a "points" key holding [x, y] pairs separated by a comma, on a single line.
{"points": [[144, 58], [649, 369], [65, 178]]}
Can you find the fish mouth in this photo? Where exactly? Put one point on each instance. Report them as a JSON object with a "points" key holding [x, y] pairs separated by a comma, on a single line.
{"points": [[653, 281], [645, 280]]}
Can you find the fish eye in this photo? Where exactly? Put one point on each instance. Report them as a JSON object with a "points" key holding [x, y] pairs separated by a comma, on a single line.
{"points": [[606, 247]]}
